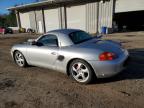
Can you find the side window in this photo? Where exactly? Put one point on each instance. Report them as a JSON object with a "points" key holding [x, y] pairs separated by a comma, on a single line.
{"points": [[49, 40]]}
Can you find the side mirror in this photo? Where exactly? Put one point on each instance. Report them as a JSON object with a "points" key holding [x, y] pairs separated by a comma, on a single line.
{"points": [[37, 43], [98, 36], [30, 40], [34, 42]]}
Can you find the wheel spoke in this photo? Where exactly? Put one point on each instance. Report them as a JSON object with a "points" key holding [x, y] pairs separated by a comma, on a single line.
{"points": [[80, 72], [74, 69], [79, 66], [85, 70], [77, 76], [22, 62], [19, 59], [16, 57], [83, 76]]}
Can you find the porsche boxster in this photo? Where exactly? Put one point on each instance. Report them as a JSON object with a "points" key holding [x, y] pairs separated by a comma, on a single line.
{"points": [[73, 52]]}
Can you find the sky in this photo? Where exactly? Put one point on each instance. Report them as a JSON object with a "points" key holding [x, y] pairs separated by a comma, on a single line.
{"points": [[4, 4]]}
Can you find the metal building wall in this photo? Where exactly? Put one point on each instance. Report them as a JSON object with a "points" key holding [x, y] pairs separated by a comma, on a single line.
{"points": [[39, 21], [92, 17], [52, 20], [123, 5], [33, 24], [24, 19], [76, 17], [62, 17], [98, 15], [105, 14]]}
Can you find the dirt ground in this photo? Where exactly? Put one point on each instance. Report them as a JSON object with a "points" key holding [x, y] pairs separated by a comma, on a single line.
{"points": [[34, 87]]}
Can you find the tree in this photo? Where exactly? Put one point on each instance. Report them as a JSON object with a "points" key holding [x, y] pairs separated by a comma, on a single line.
{"points": [[7, 20], [11, 19], [2, 20]]}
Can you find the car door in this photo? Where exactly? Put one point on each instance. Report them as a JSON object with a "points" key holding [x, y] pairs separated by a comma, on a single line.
{"points": [[44, 53]]}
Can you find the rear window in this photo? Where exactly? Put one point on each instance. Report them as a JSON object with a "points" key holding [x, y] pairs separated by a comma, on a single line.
{"points": [[79, 37]]}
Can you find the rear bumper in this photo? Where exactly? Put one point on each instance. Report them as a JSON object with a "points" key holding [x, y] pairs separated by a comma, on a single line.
{"points": [[105, 69]]}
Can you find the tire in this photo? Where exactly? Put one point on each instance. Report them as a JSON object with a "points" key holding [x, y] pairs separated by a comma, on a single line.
{"points": [[20, 59], [81, 71]]}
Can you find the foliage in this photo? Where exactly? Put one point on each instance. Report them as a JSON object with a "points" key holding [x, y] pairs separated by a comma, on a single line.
{"points": [[8, 20]]}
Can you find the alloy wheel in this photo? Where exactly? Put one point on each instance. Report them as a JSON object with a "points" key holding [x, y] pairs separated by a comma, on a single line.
{"points": [[19, 59], [80, 72]]}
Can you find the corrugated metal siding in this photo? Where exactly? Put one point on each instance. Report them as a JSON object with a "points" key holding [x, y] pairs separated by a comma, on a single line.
{"points": [[33, 23], [76, 17], [62, 18], [91, 17], [105, 14], [39, 18], [52, 20], [129, 5], [24, 19], [99, 14]]}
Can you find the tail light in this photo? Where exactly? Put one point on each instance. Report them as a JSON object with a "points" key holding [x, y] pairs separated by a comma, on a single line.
{"points": [[107, 56]]}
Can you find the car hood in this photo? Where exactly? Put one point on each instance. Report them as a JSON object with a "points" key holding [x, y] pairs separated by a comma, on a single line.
{"points": [[103, 45]]}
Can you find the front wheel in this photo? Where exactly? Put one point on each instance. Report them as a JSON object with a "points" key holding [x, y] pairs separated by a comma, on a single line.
{"points": [[20, 59], [81, 71]]}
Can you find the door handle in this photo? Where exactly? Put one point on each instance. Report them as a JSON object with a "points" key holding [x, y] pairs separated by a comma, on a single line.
{"points": [[53, 53]]}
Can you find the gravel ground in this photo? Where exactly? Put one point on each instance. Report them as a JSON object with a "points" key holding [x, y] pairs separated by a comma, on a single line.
{"points": [[34, 87]]}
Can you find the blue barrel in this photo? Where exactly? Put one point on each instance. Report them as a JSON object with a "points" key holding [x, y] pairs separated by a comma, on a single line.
{"points": [[104, 30]]}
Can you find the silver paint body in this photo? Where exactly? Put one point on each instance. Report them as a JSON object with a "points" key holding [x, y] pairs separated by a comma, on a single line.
{"points": [[47, 56]]}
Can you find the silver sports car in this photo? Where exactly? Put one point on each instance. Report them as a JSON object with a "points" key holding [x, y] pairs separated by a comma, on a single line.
{"points": [[74, 52]]}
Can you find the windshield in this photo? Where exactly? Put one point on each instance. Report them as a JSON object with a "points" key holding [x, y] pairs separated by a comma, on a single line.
{"points": [[79, 37]]}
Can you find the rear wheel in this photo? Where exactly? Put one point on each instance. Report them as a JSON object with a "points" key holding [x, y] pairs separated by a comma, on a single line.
{"points": [[81, 71], [20, 59]]}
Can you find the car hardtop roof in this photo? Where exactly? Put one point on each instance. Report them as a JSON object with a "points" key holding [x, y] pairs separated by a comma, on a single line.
{"points": [[64, 31]]}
